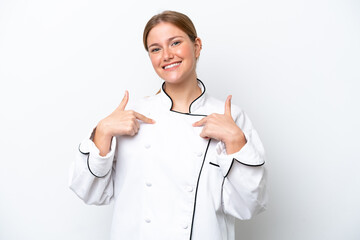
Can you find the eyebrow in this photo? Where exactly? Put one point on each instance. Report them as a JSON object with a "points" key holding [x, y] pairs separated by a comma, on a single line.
{"points": [[169, 40]]}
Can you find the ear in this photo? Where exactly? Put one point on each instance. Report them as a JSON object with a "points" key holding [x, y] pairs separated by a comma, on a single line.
{"points": [[198, 47]]}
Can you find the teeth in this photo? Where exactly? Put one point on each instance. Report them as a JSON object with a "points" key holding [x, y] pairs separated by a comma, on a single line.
{"points": [[171, 65]]}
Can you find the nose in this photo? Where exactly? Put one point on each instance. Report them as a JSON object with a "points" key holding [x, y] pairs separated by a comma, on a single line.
{"points": [[168, 54]]}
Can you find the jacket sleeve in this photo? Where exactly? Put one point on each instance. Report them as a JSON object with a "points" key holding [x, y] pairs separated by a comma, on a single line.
{"points": [[91, 175], [244, 188]]}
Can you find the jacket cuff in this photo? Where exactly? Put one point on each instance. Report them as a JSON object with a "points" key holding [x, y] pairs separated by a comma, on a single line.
{"points": [[99, 166], [247, 155]]}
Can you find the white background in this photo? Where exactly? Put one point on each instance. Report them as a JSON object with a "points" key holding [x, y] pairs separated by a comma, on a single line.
{"points": [[292, 65]]}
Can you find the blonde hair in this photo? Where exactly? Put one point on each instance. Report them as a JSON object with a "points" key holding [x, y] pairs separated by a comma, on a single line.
{"points": [[180, 20]]}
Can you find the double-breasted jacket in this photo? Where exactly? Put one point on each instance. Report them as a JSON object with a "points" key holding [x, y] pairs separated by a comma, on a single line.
{"points": [[168, 183]]}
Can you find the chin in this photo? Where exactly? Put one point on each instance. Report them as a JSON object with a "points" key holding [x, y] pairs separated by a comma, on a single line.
{"points": [[172, 78], [175, 78]]}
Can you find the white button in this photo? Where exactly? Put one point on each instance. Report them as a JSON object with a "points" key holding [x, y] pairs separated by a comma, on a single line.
{"points": [[189, 188], [147, 145], [148, 184], [185, 226], [147, 220]]}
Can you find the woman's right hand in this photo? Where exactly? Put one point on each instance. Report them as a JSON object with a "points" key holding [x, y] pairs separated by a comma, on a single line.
{"points": [[119, 122]]}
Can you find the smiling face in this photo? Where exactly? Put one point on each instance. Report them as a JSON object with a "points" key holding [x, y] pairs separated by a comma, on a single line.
{"points": [[172, 53]]}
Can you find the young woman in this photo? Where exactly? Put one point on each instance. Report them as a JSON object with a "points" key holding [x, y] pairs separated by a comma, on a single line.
{"points": [[179, 164]]}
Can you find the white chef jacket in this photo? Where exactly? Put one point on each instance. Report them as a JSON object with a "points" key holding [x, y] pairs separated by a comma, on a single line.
{"points": [[167, 182]]}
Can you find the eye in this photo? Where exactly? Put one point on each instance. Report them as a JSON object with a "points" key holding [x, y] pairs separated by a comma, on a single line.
{"points": [[154, 50], [175, 43]]}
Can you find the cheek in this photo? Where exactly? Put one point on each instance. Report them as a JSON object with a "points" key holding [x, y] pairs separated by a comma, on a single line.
{"points": [[154, 61], [188, 52]]}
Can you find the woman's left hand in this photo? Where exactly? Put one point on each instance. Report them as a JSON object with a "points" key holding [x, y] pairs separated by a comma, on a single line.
{"points": [[223, 128]]}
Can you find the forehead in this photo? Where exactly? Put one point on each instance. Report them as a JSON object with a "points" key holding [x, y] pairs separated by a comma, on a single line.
{"points": [[163, 31]]}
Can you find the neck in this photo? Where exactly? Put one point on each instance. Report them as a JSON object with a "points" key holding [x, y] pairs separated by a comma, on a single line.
{"points": [[183, 94]]}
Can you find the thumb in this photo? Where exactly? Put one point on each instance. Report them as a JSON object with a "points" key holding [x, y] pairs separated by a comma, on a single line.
{"points": [[124, 101], [228, 106]]}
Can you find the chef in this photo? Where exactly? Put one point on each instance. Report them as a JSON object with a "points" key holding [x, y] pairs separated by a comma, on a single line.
{"points": [[178, 165]]}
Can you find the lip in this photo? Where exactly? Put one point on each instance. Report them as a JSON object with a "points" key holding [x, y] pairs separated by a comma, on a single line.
{"points": [[163, 67]]}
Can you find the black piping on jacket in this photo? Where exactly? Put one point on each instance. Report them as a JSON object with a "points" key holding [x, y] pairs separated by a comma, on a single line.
{"points": [[205, 154], [189, 113], [248, 165], [197, 186], [87, 161], [207, 147]]}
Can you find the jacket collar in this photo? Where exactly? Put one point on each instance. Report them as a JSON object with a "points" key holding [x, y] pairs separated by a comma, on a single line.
{"points": [[194, 106]]}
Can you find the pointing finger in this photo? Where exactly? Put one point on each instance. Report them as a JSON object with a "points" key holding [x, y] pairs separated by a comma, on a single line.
{"points": [[228, 106], [124, 101], [199, 123], [143, 118]]}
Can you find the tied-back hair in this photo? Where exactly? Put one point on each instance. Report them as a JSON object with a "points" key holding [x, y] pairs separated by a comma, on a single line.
{"points": [[180, 20]]}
